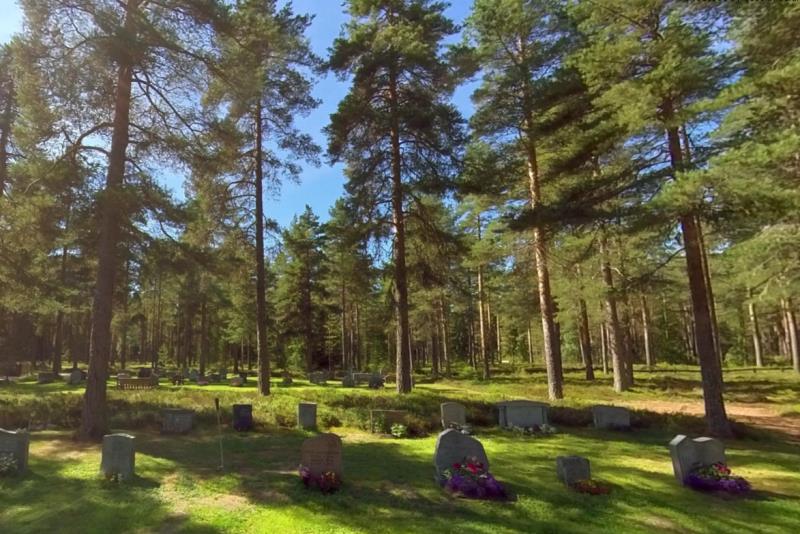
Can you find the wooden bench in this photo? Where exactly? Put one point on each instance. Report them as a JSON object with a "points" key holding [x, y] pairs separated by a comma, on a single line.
{"points": [[137, 383]]}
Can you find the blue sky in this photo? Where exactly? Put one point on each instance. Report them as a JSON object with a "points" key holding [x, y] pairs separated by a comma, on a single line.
{"points": [[319, 186]]}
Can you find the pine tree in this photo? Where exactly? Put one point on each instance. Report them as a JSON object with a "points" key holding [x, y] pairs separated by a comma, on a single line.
{"points": [[395, 130]]}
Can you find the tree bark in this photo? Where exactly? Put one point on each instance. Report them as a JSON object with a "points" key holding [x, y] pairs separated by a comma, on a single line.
{"points": [[481, 324], [404, 383], [261, 275], [585, 339], [710, 369], [791, 330], [530, 345], [613, 334], [648, 357], [756, 332], [604, 346], [94, 416]]}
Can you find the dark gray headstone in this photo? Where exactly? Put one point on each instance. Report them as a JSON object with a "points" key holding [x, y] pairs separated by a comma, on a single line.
{"points": [[176, 421], [571, 469], [453, 413], [453, 447], [318, 377], [611, 417], [348, 380], [17, 444], [689, 454], [375, 381], [522, 413], [74, 377], [243, 417], [307, 415], [119, 456]]}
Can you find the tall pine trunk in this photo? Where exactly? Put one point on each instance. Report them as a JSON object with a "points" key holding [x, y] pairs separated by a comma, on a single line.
{"points": [[261, 282], [613, 332], [710, 368], [791, 333], [482, 323], [585, 339], [404, 383], [94, 415], [648, 357], [756, 331]]}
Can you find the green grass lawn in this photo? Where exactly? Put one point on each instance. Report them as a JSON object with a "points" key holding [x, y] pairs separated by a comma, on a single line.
{"points": [[389, 483]]}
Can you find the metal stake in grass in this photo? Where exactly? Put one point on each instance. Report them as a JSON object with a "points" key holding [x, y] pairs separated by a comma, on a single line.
{"points": [[219, 429]]}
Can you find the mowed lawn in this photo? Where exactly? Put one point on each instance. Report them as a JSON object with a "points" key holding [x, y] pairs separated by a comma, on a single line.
{"points": [[389, 482]]}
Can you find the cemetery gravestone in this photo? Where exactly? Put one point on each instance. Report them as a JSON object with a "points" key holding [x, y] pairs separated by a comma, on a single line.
{"points": [[123, 375], [348, 381], [611, 417], [375, 381], [382, 420], [322, 454], [119, 456], [688, 454], [317, 377], [16, 444], [522, 413], [237, 381], [45, 378], [453, 413], [243, 417], [307, 415], [144, 372], [571, 469], [176, 421], [75, 377], [452, 447]]}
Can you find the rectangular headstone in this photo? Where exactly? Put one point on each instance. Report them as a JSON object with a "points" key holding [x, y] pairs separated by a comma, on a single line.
{"points": [[119, 456], [17, 444], [453, 413], [522, 413], [74, 377], [382, 420], [453, 447], [322, 454], [307, 415], [571, 469], [611, 417], [689, 454], [243, 417], [176, 421], [318, 377]]}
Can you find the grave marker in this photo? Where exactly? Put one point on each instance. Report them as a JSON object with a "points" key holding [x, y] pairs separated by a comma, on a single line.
{"points": [[453, 413], [17, 444], [688, 454], [452, 447], [119, 456], [307, 415], [611, 417], [322, 454]]}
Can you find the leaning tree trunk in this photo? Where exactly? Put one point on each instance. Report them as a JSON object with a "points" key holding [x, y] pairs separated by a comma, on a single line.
{"points": [[552, 351], [710, 368], [94, 416], [261, 282], [404, 383]]}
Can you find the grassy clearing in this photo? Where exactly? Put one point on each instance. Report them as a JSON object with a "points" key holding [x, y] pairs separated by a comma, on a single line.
{"points": [[389, 483]]}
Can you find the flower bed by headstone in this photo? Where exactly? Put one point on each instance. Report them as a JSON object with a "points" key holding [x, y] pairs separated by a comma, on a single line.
{"points": [[470, 478], [717, 477]]}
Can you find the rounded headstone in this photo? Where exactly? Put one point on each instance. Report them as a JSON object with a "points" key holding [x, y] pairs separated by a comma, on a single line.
{"points": [[453, 447], [119, 456]]}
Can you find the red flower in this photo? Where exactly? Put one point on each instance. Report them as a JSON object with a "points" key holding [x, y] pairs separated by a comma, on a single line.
{"points": [[456, 465]]}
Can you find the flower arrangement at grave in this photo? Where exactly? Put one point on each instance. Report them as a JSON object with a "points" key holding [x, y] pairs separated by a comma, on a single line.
{"points": [[327, 482], [591, 487], [8, 464], [399, 430], [717, 477], [535, 430], [469, 478]]}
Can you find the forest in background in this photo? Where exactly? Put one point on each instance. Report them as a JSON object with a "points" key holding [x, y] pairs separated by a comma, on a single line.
{"points": [[626, 191]]}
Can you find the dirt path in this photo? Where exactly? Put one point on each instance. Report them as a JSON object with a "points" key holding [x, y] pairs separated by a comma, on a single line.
{"points": [[756, 414]]}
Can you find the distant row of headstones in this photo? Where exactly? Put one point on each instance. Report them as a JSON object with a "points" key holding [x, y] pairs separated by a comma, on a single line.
{"points": [[526, 413]]}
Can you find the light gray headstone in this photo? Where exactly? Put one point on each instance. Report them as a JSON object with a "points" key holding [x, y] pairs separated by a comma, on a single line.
{"points": [[522, 413], [452, 447], [571, 469], [307, 415], [611, 417], [176, 421], [322, 453], [453, 413], [17, 444], [119, 456], [688, 454]]}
